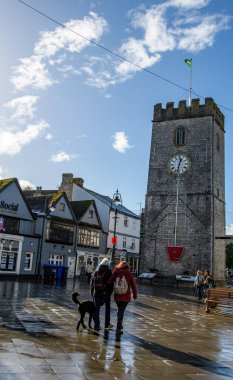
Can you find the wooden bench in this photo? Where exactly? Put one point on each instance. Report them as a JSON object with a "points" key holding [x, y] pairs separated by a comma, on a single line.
{"points": [[221, 296]]}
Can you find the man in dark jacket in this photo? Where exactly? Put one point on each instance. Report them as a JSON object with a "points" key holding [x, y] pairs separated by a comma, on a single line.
{"points": [[101, 292]]}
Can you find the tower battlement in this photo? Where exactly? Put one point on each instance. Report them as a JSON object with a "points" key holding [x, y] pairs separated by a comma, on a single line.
{"points": [[183, 111]]}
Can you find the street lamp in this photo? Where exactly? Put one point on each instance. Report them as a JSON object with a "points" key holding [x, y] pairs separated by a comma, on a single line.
{"points": [[117, 204], [48, 207]]}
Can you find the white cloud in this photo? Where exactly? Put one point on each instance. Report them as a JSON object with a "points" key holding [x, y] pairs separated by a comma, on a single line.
{"points": [[91, 27], [12, 142], [187, 3], [121, 143], [61, 157], [49, 136], [164, 27], [24, 184], [22, 107], [135, 51], [202, 35], [33, 71], [229, 229]]}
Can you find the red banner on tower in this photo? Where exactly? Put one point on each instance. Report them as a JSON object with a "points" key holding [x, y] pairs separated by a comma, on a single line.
{"points": [[175, 253]]}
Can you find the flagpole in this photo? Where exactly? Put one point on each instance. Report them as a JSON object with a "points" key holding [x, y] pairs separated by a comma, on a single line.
{"points": [[190, 85]]}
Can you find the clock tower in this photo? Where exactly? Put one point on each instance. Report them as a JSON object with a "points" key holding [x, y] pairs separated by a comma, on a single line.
{"points": [[185, 205]]}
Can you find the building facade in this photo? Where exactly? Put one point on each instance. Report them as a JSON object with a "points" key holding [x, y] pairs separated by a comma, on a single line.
{"points": [[185, 204], [55, 223], [19, 244], [91, 239], [127, 224]]}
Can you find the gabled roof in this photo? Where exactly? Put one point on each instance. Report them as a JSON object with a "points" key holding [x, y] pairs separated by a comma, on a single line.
{"points": [[4, 183], [81, 207], [108, 201], [42, 203]]}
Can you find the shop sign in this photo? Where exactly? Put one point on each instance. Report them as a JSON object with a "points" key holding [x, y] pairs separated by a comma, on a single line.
{"points": [[9, 206]]}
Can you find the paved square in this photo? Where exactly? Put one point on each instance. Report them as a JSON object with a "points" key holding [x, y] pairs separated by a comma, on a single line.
{"points": [[167, 335]]}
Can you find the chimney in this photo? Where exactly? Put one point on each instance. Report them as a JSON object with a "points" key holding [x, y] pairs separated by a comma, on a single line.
{"points": [[38, 191], [67, 185], [79, 181]]}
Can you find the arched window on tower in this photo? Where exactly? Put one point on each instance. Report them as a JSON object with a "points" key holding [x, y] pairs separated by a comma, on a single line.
{"points": [[180, 136]]}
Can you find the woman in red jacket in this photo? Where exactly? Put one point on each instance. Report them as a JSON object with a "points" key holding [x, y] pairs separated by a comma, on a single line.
{"points": [[123, 284]]}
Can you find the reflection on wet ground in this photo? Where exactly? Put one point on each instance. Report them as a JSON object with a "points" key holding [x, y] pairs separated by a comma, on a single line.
{"points": [[167, 335]]}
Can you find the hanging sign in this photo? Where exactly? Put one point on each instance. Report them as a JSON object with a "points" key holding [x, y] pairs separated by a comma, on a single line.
{"points": [[114, 240], [175, 253]]}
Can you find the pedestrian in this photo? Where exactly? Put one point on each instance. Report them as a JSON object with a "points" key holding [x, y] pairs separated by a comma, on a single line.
{"points": [[198, 283], [101, 292], [89, 271], [123, 285], [208, 280]]}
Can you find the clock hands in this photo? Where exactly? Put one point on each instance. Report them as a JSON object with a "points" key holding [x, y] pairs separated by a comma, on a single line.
{"points": [[179, 164]]}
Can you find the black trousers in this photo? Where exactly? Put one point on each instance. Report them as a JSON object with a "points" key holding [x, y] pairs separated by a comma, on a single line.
{"points": [[121, 305]]}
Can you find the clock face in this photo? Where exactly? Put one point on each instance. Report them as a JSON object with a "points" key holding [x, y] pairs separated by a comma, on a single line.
{"points": [[179, 164]]}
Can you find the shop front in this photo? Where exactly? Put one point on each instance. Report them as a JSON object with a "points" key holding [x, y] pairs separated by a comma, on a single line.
{"points": [[85, 257], [18, 243]]}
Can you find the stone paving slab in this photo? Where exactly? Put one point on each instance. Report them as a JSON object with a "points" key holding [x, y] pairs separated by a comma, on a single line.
{"points": [[167, 335]]}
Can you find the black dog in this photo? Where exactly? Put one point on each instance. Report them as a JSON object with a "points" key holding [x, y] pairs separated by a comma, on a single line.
{"points": [[83, 308]]}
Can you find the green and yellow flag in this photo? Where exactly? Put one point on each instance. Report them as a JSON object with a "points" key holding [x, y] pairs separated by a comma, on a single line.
{"points": [[188, 61]]}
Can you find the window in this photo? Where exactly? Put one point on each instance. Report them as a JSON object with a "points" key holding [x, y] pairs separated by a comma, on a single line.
{"points": [[133, 245], [180, 137], [87, 237], [28, 261], [9, 225], [8, 255], [90, 214], [126, 221], [56, 259], [59, 232], [124, 242], [62, 206]]}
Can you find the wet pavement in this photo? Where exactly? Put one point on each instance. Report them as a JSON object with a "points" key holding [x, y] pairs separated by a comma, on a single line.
{"points": [[167, 335]]}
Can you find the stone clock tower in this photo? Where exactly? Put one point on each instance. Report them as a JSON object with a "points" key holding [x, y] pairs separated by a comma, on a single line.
{"points": [[185, 207]]}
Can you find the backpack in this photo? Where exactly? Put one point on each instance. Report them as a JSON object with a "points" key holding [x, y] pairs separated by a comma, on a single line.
{"points": [[120, 285], [98, 282]]}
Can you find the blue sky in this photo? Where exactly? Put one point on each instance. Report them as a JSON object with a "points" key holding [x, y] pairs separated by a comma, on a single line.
{"points": [[69, 106]]}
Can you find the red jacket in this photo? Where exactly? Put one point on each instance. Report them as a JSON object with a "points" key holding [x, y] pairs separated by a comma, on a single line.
{"points": [[131, 285]]}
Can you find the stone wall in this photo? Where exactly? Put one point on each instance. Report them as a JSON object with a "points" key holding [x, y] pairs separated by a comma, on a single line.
{"points": [[201, 208]]}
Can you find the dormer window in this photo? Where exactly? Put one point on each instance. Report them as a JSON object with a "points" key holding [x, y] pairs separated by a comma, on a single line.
{"points": [[90, 214], [62, 207], [180, 137]]}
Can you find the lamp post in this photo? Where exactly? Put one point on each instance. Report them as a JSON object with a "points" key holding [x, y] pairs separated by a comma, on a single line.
{"points": [[117, 204], [45, 216]]}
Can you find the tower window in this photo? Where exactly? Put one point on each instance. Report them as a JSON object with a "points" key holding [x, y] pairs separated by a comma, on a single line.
{"points": [[180, 136]]}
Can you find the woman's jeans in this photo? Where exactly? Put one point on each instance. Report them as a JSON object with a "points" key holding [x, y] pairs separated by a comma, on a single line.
{"points": [[120, 314], [100, 300], [199, 292]]}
